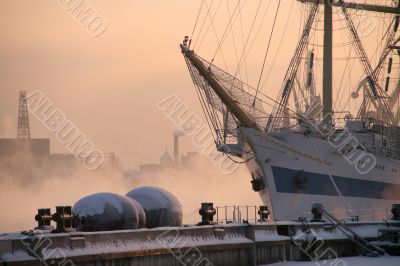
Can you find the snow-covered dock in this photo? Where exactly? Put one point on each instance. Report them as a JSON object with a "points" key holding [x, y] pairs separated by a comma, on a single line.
{"points": [[227, 244]]}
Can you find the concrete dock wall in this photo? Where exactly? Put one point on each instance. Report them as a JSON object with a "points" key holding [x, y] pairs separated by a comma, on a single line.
{"points": [[232, 244]]}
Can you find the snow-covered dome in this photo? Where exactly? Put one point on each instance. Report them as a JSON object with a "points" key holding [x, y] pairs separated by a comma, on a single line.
{"points": [[105, 212], [161, 207], [140, 211]]}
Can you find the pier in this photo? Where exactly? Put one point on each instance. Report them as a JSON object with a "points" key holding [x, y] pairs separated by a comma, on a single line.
{"points": [[220, 244]]}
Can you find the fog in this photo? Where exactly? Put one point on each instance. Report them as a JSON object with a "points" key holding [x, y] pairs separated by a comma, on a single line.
{"points": [[19, 200], [109, 87]]}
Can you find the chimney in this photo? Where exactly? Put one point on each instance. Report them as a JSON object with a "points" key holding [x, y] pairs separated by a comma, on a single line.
{"points": [[177, 135], [176, 149]]}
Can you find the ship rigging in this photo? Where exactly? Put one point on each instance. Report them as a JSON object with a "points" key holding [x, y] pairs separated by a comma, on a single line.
{"points": [[294, 145]]}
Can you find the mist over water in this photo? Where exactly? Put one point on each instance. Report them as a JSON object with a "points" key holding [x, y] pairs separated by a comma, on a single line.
{"points": [[20, 199], [7, 126]]}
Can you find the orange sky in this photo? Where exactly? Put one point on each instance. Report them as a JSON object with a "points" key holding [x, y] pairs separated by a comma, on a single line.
{"points": [[108, 86]]}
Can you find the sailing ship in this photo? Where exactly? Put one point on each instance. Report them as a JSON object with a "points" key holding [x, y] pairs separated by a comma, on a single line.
{"points": [[303, 151]]}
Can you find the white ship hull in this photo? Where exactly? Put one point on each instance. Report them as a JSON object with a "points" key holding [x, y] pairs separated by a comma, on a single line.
{"points": [[300, 170]]}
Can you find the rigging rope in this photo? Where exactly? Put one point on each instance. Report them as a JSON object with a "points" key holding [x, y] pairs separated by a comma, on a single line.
{"points": [[246, 54], [216, 35], [266, 53], [376, 70], [195, 24], [232, 32], [376, 90], [279, 46], [247, 40], [209, 24], [347, 206], [349, 65], [205, 107], [224, 34], [242, 34], [292, 71], [202, 27]]}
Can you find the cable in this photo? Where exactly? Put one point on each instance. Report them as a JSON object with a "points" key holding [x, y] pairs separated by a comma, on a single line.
{"points": [[248, 37], [242, 35], [197, 19], [202, 27], [235, 161], [232, 32], [246, 54], [333, 181], [288, 81], [280, 45], [224, 34], [266, 53], [216, 35], [209, 24]]}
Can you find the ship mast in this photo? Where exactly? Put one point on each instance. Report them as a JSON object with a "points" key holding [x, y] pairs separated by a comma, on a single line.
{"points": [[328, 46], [359, 6], [205, 78], [327, 63]]}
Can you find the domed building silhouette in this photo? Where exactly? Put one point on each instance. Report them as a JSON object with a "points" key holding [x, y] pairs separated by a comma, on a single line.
{"points": [[166, 159]]}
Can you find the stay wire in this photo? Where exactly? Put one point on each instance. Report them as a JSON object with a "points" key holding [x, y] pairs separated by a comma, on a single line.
{"points": [[232, 31], [242, 41], [197, 20], [279, 47], [247, 39], [266, 53], [201, 35], [224, 34], [216, 35]]}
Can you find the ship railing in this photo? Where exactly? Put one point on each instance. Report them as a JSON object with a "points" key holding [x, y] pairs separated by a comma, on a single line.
{"points": [[238, 214], [250, 213], [369, 123], [294, 123], [388, 147]]}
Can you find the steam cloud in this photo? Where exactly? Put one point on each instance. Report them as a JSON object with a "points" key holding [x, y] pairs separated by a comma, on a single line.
{"points": [[21, 197]]}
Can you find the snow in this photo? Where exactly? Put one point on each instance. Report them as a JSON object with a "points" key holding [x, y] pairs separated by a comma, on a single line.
{"points": [[350, 261], [16, 256], [169, 241], [164, 238], [161, 238], [265, 235], [330, 233], [95, 204]]}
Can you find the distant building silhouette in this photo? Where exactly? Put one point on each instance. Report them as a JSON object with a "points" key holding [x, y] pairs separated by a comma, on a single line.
{"points": [[166, 159]]}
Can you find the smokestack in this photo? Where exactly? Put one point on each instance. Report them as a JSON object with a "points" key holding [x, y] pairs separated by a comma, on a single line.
{"points": [[177, 135], [176, 150]]}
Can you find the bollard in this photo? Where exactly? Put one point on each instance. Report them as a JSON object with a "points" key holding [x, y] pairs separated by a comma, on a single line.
{"points": [[264, 213], [43, 218], [63, 218], [317, 213], [207, 213], [396, 212]]}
